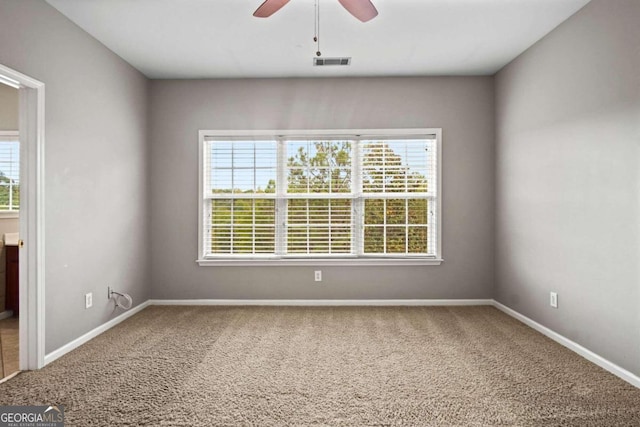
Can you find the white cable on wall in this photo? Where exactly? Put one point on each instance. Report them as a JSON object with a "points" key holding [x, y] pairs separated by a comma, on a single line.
{"points": [[123, 301]]}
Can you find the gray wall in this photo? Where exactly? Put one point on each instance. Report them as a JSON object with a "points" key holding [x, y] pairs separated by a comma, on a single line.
{"points": [[96, 165], [8, 108], [568, 180], [463, 107]]}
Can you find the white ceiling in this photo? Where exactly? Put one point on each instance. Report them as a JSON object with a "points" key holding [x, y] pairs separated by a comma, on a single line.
{"points": [[221, 38]]}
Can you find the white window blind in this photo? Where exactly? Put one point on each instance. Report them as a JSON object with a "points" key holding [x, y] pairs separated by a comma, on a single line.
{"points": [[399, 193], [319, 190], [240, 187], [320, 197], [9, 173]]}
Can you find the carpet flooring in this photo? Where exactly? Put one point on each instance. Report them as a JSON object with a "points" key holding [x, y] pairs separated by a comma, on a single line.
{"points": [[336, 366]]}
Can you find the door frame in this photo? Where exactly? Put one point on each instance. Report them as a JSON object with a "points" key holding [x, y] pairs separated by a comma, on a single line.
{"points": [[32, 265]]}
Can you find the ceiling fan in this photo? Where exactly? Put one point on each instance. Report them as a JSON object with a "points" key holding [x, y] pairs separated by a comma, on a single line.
{"points": [[364, 10]]}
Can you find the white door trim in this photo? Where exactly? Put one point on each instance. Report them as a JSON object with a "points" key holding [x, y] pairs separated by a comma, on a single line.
{"points": [[32, 325]]}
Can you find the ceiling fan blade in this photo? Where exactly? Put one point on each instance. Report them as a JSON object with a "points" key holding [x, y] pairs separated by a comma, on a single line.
{"points": [[364, 10], [269, 7]]}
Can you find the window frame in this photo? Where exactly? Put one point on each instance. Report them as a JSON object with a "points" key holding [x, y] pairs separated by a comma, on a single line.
{"points": [[11, 135], [301, 260]]}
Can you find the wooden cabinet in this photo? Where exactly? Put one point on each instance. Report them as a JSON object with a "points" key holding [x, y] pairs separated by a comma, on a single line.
{"points": [[13, 278]]}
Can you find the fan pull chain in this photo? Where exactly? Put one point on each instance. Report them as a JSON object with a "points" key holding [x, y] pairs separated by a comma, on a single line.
{"points": [[316, 38]]}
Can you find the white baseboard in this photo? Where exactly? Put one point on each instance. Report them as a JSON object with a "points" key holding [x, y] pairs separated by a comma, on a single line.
{"points": [[8, 377], [6, 314], [573, 346], [324, 302], [48, 358]]}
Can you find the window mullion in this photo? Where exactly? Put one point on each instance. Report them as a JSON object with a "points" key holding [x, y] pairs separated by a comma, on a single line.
{"points": [[357, 204], [232, 227], [384, 226], [406, 226], [309, 228], [329, 228], [281, 201]]}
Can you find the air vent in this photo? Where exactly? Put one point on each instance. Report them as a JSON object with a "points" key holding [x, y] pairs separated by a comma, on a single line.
{"points": [[331, 61]]}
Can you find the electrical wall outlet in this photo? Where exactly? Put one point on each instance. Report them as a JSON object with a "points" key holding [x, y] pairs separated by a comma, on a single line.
{"points": [[318, 275], [88, 300], [553, 299]]}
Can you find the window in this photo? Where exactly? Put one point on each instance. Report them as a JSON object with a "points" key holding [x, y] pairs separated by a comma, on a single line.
{"points": [[320, 197], [9, 172]]}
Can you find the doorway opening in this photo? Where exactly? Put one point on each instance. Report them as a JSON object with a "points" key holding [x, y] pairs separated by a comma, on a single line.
{"points": [[22, 216], [9, 231]]}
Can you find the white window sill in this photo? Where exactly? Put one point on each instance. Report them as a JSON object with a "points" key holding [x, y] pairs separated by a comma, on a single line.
{"points": [[9, 214], [279, 262]]}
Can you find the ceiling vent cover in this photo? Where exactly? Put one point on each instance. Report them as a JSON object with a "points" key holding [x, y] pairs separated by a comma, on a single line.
{"points": [[318, 62]]}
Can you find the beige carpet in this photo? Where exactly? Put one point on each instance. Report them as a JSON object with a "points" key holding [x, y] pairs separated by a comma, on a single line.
{"points": [[264, 366]]}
